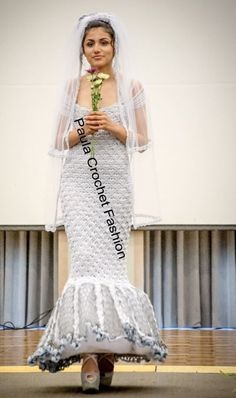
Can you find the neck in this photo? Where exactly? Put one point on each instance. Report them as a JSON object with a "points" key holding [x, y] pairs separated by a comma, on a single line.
{"points": [[107, 69]]}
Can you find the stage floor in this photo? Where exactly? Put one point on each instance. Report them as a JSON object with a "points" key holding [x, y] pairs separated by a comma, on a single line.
{"points": [[189, 350]]}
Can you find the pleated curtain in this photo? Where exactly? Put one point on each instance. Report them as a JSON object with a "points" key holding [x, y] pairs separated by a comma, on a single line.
{"points": [[190, 276], [27, 276]]}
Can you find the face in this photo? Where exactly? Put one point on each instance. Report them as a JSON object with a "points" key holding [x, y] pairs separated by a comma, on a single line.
{"points": [[98, 47]]}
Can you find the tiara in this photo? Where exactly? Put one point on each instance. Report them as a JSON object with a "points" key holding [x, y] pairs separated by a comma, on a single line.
{"points": [[102, 20], [98, 18]]}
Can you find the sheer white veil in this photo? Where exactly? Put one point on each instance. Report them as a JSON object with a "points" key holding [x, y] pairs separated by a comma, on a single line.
{"points": [[135, 116]]}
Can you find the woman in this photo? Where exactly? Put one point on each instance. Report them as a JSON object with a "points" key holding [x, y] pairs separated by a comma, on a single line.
{"points": [[100, 316]]}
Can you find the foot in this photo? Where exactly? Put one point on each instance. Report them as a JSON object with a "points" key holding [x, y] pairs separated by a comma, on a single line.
{"points": [[106, 367], [90, 376]]}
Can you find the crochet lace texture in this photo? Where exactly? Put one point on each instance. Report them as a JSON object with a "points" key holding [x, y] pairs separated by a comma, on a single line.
{"points": [[98, 299]]}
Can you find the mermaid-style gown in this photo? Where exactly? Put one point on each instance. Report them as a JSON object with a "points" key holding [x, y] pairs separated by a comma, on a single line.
{"points": [[99, 310]]}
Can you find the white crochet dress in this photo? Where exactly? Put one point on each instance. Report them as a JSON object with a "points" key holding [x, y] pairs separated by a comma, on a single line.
{"points": [[99, 310]]}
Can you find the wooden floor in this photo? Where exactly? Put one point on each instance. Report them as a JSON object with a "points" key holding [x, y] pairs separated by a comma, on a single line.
{"points": [[186, 347]]}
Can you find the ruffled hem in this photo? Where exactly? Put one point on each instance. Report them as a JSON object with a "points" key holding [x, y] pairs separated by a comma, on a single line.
{"points": [[99, 315], [49, 357]]}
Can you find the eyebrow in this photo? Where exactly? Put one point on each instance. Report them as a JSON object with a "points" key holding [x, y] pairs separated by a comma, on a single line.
{"points": [[102, 38]]}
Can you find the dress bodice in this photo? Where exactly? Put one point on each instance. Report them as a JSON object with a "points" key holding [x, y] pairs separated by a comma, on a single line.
{"points": [[112, 110]]}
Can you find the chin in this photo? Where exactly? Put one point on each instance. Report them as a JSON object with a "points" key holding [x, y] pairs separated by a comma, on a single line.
{"points": [[99, 61], [98, 64]]}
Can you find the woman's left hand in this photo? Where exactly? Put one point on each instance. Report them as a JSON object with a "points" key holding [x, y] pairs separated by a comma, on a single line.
{"points": [[98, 120]]}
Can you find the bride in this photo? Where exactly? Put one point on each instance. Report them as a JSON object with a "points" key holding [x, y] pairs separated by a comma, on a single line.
{"points": [[100, 317]]}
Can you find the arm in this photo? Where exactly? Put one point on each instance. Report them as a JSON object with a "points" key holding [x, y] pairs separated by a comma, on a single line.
{"points": [[73, 138], [63, 117], [119, 132], [140, 113]]}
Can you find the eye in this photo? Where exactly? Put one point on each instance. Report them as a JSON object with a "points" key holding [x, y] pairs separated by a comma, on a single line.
{"points": [[89, 44], [105, 43]]}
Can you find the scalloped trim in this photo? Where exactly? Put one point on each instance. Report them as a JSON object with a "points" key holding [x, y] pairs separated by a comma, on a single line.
{"points": [[49, 358]]}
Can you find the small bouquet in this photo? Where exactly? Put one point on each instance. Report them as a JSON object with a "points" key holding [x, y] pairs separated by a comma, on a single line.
{"points": [[96, 79]]}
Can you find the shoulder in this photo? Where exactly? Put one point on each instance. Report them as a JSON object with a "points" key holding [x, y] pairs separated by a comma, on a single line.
{"points": [[83, 79], [137, 93], [136, 87], [71, 84]]}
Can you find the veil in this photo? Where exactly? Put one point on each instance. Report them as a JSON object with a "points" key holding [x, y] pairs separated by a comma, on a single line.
{"points": [[135, 116]]}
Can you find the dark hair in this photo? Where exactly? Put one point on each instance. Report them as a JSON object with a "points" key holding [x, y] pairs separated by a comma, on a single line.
{"points": [[99, 23]]}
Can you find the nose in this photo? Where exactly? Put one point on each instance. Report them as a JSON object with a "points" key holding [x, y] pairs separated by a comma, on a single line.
{"points": [[96, 47]]}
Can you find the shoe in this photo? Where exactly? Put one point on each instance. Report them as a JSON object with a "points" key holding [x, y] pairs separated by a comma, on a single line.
{"points": [[90, 379], [106, 367]]}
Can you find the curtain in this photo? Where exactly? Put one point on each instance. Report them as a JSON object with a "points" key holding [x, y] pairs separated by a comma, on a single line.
{"points": [[27, 283], [190, 277]]}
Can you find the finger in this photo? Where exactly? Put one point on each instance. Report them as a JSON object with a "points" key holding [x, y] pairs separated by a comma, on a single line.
{"points": [[97, 127], [92, 130], [95, 117], [94, 123]]}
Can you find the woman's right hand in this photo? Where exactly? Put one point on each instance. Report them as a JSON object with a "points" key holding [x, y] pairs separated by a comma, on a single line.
{"points": [[89, 129], [74, 137]]}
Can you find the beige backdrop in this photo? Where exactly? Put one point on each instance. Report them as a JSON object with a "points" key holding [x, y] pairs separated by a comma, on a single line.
{"points": [[185, 50]]}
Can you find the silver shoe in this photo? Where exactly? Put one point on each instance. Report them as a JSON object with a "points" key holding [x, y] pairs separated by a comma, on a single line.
{"points": [[90, 380]]}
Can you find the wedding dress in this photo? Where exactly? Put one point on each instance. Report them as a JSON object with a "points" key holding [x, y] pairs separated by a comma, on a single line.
{"points": [[99, 310]]}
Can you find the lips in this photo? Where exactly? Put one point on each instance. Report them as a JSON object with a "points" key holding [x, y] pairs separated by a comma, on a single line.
{"points": [[97, 56]]}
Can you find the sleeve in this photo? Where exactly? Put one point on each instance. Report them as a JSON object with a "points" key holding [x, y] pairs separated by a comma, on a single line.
{"points": [[139, 138], [63, 120], [143, 164]]}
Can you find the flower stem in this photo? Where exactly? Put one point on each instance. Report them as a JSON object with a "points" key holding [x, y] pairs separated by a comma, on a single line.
{"points": [[96, 80]]}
